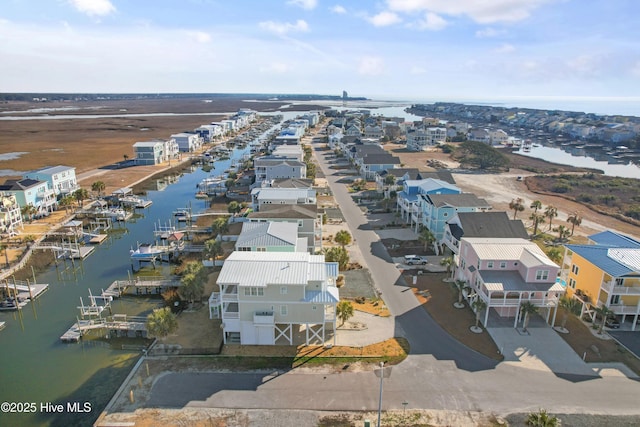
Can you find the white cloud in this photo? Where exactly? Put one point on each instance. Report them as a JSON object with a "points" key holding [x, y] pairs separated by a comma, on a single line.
{"points": [[505, 48], [489, 32], [200, 36], [432, 22], [586, 65], [416, 70], [275, 67], [635, 69], [338, 9], [371, 66], [486, 11], [305, 4], [93, 7], [282, 28], [384, 19]]}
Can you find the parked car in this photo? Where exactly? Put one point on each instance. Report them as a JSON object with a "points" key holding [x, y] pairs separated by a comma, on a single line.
{"points": [[612, 323], [415, 259]]}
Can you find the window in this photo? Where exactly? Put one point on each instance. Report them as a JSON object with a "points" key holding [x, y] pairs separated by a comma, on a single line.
{"points": [[283, 290], [572, 283], [615, 299], [283, 310], [253, 291], [503, 264], [313, 307], [542, 274], [261, 249], [575, 269], [489, 264], [462, 264]]}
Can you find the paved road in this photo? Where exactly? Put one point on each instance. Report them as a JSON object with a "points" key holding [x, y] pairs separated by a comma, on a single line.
{"points": [[412, 322], [440, 373]]}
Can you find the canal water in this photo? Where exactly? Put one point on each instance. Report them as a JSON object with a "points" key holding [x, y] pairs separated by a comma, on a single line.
{"points": [[36, 367]]}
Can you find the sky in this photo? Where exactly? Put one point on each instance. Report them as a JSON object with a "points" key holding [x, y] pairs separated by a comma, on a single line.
{"points": [[385, 49]]}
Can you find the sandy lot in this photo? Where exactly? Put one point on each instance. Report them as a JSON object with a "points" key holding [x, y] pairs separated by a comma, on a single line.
{"points": [[500, 189]]}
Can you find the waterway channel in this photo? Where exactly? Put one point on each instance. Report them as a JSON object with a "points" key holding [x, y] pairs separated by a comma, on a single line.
{"points": [[35, 366]]}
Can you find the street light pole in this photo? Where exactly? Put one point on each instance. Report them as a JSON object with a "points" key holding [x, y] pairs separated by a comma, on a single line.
{"points": [[380, 397]]}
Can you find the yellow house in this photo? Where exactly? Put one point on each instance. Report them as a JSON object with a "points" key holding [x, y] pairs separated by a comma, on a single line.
{"points": [[606, 273]]}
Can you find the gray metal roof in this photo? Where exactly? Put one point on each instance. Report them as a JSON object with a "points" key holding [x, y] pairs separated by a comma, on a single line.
{"points": [[264, 268], [264, 234], [330, 296], [286, 212], [501, 281], [506, 249], [458, 200]]}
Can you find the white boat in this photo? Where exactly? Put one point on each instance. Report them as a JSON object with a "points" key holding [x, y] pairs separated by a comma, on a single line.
{"points": [[147, 251], [2, 325]]}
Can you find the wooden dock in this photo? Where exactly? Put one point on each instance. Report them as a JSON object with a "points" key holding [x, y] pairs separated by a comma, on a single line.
{"points": [[118, 325], [140, 286]]}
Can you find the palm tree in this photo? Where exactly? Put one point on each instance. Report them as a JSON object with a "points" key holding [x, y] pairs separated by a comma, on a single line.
{"points": [[517, 205], [161, 322], [605, 313], [28, 211], [343, 238], [344, 311], [5, 248], [563, 232], [460, 286], [569, 306], [478, 305], [575, 220], [537, 219], [528, 309], [427, 237], [66, 202], [447, 262], [80, 195], [551, 212], [98, 187], [213, 248], [126, 157], [234, 207], [192, 282], [542, 419], [535, 205]]}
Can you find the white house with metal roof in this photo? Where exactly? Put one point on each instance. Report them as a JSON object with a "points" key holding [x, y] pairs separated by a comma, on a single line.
{"points": [[269, 298], [506, 272], [282, 196]]}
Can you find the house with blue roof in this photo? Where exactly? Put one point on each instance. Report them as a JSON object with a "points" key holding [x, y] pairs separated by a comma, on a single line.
{"points": [[606, 273], [410, 199]]}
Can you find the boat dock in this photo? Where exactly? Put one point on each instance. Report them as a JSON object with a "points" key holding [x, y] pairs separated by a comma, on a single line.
{"points": [[118, 325], [140, 286], [19, 293], [69, 250]]}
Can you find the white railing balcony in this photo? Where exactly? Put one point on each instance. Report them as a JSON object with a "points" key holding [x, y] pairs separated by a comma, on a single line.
{"points": [[624, 309], [514, 302], [263, 318], [230, 315], [214, 299], [608, 286], [230, 294], [626, 290]]}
